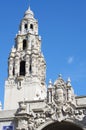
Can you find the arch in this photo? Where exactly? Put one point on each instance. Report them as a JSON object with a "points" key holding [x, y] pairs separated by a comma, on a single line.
{"points": [[31, 26], [22, 68], [68, 121], [24, 44], [26, 26], [64, 125]]}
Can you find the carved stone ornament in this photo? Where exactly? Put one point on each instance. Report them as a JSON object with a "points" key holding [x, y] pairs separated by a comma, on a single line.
{"points": [[62, 106]]}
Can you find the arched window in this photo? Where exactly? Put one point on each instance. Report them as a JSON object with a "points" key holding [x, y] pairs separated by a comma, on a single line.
{"points": [[24, 44], [26, 26], [22, 68], [31, 26]]}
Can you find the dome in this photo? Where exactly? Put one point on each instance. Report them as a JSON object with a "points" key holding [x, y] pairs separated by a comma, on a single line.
{"points": [[29, 13]]}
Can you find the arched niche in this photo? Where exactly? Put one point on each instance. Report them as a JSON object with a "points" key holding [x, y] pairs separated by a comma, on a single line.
{"points": [[22, 68], [25, 26], [24, 44], [31, 26]]}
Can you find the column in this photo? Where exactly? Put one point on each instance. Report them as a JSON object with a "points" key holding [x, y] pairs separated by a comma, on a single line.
{"points": [[10, 70], [17, 66]]}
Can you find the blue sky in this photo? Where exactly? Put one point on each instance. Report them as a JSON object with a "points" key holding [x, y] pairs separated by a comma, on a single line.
{"points": [[62, 25]]}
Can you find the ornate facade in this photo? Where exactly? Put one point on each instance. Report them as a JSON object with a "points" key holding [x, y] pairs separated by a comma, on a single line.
{"points": [[26, 65], [29, 104]]}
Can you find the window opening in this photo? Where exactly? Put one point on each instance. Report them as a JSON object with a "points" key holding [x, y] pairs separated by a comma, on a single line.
{"points": [[22, 68], [25, 26], [31, 26], [24, 44]]}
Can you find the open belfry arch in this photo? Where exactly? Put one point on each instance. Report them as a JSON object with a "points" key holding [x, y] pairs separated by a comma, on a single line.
{"points": [[30, 104]]}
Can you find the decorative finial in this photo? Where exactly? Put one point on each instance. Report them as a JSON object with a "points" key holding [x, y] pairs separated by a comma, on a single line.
{"points": [[29, 5], [69, 82], [60, 76], [50, 84]]}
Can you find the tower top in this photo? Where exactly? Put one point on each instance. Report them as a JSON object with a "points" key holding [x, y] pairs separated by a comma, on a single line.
{"points": [[29, 13]]}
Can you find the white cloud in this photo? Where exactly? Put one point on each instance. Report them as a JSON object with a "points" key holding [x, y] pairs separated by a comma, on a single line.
{"points": [[70, 60]]}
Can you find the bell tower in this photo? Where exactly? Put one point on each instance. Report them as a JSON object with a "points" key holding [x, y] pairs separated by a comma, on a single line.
{"points": [[26, 65]]}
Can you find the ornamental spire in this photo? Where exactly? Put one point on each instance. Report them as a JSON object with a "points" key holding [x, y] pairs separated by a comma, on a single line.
{"points": [[29, 6], [29, 13]]}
